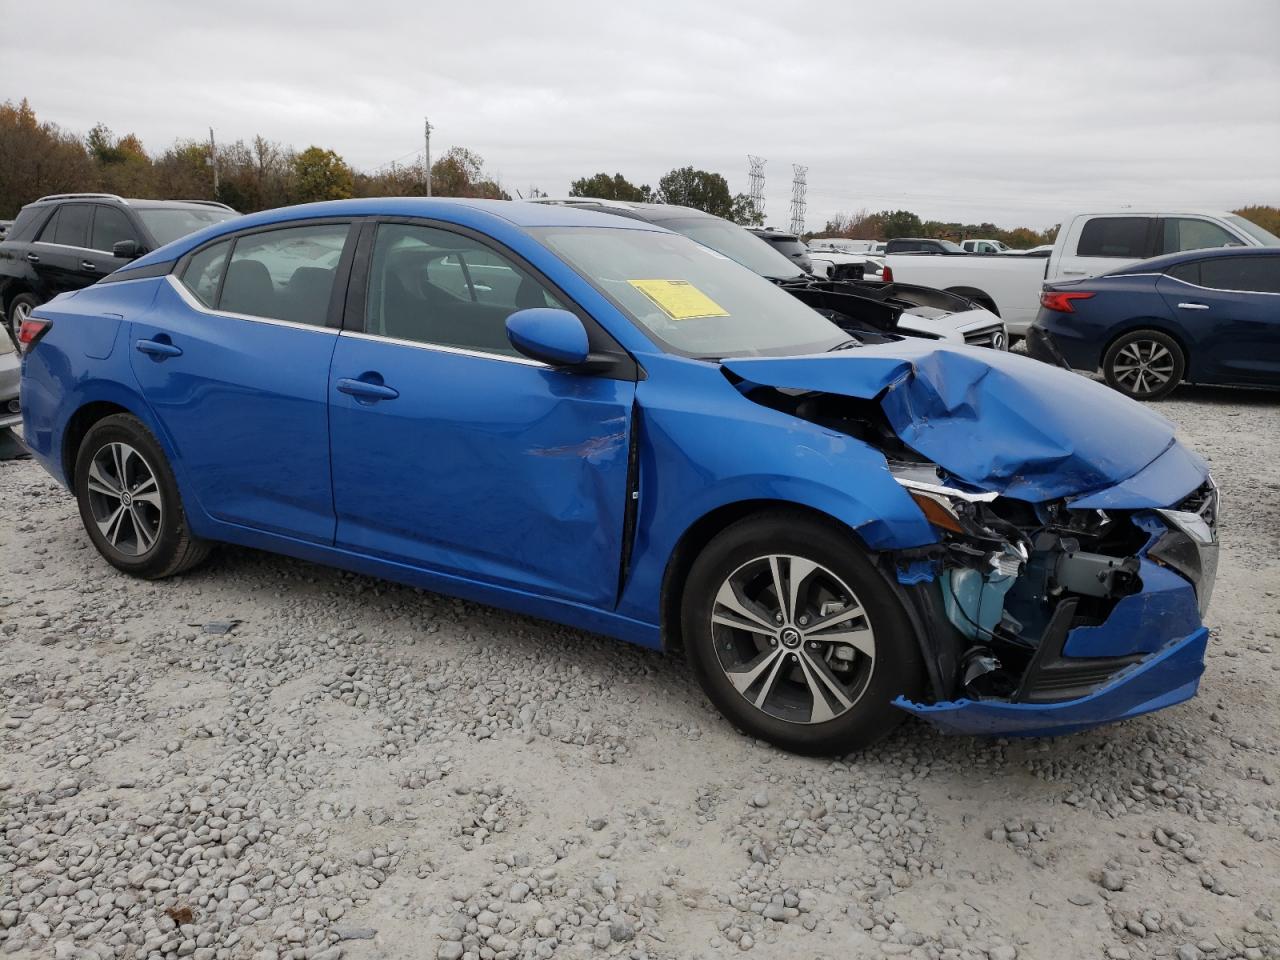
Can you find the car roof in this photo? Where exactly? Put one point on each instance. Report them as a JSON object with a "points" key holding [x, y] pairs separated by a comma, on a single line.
{"points": [[764, 233], [649, 212], [464, 212], [1163, 263]]}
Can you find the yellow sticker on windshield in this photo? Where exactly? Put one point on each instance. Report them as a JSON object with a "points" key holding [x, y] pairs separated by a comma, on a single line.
{"points": [[679, 299]]}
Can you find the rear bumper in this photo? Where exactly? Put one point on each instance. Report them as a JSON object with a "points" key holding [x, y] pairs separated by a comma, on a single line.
{"points": [[1166, 677], [1052, 340]]}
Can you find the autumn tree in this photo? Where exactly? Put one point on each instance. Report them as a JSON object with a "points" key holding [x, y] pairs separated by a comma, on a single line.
{"points": [[604, 187], [460, 173], [320, 174], [38, 158]]}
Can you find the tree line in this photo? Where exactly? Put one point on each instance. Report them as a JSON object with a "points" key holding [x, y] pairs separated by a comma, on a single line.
{"points": [[39, 157]]}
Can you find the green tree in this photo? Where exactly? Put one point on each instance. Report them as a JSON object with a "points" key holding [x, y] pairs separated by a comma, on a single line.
{"points": [[744, 213], [700, 189], [320, 174], [899, 223], [460, 173], [604, 187]]}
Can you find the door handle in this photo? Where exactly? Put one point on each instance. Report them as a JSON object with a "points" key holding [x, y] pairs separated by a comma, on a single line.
{"points": [[158, 350], [1193, 306], [1073, 273], [366, 391], [87, 265], [32, 258]]}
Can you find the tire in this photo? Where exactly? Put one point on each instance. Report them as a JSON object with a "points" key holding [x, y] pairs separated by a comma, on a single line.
{"points": [[19, 308], [139, 526], [776, 671], [1144, 364]]}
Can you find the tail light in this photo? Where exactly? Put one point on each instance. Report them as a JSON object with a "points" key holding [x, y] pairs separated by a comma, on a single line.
{"points": [[1060, 300], [31, 331], [886, 274]]}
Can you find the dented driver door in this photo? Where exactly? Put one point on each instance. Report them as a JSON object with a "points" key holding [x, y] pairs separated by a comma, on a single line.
{"points": [[453, 453]]}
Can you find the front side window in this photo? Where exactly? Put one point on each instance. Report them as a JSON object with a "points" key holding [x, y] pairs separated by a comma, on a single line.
{"points": [[1248, 274], [284, 274], [1188, 233], [431, 286], [109, 227], [690, 299], [1114, 237]]}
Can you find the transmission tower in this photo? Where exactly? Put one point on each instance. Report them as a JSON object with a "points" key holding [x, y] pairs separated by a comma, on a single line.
{"points": [[756, 192], [797, 199]]}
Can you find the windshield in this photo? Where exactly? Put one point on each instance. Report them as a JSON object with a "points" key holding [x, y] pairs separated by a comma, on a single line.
{"points": [[167, 224], [950, 247], [1264, 237], [736, 244], [690, 299]]}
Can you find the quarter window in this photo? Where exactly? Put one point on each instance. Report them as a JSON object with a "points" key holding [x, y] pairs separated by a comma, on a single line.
{"points": [[284, 274], [1188, 272], [1187, 233], [432, 286], [204, 270], [109, 227], [1114, 237], [1251, 274]]}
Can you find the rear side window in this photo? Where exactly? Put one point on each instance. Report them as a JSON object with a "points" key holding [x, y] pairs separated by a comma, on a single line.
{"points": [[1188, 233], [285, 274], [1251, 274], [1114, 237], [73, 225], [109, 226], [203, 273]]}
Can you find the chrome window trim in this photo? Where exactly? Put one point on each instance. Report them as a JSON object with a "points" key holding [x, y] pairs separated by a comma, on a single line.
{"points": [[192, 301], [1188, 283], [67, 246], [443, 348]]}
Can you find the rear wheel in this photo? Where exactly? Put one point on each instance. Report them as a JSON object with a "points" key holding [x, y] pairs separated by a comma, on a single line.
{"points": [[20, 309], [129, 501], [796, 637], [1144, 364]]}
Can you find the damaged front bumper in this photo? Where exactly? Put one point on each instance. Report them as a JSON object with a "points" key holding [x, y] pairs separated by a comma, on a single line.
{"points": [[1122, 635]]}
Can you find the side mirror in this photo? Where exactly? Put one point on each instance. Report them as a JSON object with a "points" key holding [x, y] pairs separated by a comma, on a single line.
{"points": [[126, 249], [551, 336]]}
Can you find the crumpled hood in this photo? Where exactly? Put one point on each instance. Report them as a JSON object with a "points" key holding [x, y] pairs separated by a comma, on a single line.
{"points": [[998, 421]]}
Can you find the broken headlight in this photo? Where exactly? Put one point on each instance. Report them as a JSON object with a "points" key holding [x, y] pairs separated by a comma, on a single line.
{"points": [[1190, 545]]}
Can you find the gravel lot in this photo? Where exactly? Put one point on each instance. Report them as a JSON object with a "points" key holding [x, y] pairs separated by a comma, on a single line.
{"points": [[270, 759]]}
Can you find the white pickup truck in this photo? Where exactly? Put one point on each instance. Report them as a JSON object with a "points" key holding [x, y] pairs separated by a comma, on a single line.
{"points": [[1088, 244]]}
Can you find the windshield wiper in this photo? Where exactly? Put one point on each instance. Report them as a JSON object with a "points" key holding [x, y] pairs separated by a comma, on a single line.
{"points": [[846, 345]]}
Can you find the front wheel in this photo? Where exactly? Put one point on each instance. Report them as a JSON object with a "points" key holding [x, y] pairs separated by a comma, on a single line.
{"points": [[1144, 364], [129, 501], [796, 637]]}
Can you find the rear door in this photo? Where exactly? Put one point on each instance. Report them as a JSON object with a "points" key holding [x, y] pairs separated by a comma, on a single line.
{"points": [[451, 451], [61, 250], [234, 358], [1103, 244], [1231, 305]]}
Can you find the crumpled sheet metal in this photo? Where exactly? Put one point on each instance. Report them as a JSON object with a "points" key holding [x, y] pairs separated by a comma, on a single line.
{"points": [[996, 421]]}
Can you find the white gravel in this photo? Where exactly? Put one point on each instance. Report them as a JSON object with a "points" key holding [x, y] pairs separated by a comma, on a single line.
{"points": [[267, 759]]}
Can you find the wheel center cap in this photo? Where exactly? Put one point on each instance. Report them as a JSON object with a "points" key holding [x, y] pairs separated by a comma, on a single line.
{"points": [[790, 637], [126, 498]]}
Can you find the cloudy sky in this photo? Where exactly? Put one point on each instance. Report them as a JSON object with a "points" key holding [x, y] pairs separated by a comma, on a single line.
{"points": [[1016, 111]]}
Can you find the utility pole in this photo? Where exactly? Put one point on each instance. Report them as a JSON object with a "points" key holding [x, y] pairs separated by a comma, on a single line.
{"points": [[426, 133], [213, 162]]}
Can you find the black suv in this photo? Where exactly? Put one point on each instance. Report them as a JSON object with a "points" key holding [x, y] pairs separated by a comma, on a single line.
{"points": [[70, 240]]}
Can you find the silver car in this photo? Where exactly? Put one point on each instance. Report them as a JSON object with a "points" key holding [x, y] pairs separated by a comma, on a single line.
{"points": [[10, 374]]}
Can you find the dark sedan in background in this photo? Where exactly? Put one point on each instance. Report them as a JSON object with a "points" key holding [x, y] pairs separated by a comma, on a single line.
{"points": [[1202, 316]]}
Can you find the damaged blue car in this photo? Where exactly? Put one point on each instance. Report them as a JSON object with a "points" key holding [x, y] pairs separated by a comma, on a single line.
{"points": [[597, 421]]}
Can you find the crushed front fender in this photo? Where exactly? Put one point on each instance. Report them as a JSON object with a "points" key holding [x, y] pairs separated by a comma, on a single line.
{"points": [[1167, 677]]}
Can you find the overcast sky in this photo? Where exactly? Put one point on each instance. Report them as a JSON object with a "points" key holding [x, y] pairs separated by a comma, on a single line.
{"points": [[1016, 111]]}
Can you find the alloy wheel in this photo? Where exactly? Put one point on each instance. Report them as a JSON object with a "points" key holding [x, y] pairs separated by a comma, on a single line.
{"points": [[793, 639], [124, 499], [1143, 366], [21, 312]]}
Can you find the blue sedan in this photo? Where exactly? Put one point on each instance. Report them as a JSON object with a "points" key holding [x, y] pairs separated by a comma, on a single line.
{"points": [[600, 422], [1203, 316]]}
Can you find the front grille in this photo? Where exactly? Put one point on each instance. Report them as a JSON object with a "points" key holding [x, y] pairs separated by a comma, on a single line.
{"points": [[992, 337]]}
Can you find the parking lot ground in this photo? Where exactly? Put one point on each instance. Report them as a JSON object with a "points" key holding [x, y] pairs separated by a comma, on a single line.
{"points": [[270, 759]]}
